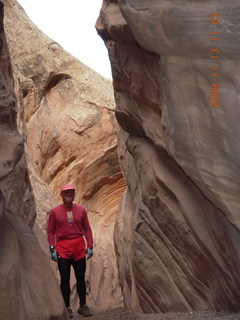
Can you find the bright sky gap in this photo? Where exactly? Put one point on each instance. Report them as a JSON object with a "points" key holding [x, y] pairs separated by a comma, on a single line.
{"points": [[73, 27]]}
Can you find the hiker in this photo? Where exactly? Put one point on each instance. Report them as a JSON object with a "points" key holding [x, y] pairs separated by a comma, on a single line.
{"points": [[67, 224]]}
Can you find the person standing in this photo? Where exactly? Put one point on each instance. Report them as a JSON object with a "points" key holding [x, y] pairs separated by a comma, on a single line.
{"points": [[67, 226]]}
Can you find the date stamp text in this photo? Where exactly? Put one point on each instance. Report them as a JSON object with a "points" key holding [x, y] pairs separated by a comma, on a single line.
{"points": [[215, 53]]}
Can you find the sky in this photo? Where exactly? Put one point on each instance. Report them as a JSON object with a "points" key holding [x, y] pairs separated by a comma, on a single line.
{"points": [[71, 23]]}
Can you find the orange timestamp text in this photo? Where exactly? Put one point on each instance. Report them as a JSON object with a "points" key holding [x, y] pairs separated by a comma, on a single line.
{"points": [[214, 56]]}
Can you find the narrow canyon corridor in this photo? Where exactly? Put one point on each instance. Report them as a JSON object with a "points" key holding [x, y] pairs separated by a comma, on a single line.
{"points": [[153, 154]]}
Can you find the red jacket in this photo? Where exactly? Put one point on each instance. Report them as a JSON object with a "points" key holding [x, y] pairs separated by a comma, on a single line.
{"points": [[69, 223]]}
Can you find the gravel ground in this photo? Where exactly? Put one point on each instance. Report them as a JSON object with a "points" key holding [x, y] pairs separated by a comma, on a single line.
{"points": [[123, 314]]}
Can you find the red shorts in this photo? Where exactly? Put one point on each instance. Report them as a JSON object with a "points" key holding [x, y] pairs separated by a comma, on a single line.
{"points": [[71, 248]]}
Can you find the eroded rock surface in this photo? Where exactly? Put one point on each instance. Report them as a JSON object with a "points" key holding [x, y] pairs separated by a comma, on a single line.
{"points": [[67, 119], [177, 233], [28, 287]]}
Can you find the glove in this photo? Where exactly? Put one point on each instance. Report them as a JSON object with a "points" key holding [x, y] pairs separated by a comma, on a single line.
{"points": [[53, 254], [89, 253]]}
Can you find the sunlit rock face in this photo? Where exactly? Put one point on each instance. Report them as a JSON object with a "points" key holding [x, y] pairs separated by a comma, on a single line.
{"points": [[67, 118], [27, 285], [177, 234]]}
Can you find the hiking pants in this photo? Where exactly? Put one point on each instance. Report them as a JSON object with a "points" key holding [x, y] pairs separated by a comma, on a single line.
{"points": [[79, 266]]}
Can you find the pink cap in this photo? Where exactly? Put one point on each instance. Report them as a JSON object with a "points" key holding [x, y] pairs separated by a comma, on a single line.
{"points": [[68, 187]]}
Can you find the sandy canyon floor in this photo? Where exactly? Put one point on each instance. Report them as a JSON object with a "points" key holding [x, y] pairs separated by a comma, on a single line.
{"points": [[123, 314]]}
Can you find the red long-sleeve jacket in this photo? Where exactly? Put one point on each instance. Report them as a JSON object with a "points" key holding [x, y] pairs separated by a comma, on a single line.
{"points": [[69, 223]]}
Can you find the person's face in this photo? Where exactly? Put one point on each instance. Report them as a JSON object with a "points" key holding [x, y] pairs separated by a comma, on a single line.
{"points": [[68, 196]]}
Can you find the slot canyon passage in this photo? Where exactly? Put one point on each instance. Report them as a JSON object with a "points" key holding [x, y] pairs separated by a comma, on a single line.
{"points": [[155, 166]]}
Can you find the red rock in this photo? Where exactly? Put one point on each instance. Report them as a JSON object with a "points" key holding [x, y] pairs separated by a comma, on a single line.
{"points": [[177, 235], [67, 116], [27, 285]]}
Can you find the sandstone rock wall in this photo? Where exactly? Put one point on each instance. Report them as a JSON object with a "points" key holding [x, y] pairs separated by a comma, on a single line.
{"points": [[28, 287], [66, 114], [177, 233]]}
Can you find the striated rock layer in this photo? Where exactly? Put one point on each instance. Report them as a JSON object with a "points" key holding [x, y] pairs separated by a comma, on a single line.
{"points": [[28, 287], [177, 234], [67, 119]]}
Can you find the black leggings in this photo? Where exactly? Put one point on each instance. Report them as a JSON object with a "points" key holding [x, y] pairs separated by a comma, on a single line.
{"points": [[64, 266]]}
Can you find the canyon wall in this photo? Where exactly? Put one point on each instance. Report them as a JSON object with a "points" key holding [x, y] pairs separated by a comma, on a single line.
{"points": [[66, 116], [28, 287], [177, 233]]}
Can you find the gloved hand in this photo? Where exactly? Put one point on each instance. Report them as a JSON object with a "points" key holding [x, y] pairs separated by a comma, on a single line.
{"points": [[89, 253], [53, 254]]}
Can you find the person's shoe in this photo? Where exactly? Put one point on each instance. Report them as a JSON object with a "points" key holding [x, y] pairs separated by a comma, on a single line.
{"points": [[70, 313], [84, 311]]}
